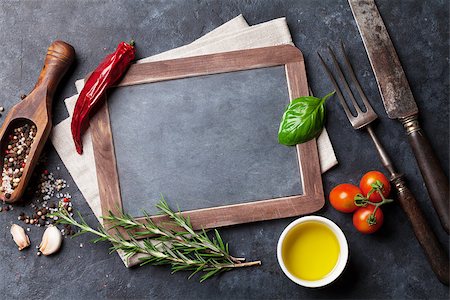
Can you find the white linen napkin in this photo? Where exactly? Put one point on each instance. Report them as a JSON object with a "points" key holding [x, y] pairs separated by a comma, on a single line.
{"points": [[233, 35]]}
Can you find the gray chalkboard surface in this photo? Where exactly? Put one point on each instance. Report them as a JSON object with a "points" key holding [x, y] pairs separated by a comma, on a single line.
{"points": [[203, 141]]}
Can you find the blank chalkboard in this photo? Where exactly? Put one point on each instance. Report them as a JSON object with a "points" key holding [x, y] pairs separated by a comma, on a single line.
{"points": [[202, 132], [203, 141]]}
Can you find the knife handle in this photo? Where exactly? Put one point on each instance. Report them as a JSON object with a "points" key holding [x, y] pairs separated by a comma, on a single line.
{"points": [[437, 256], [435, 179]]}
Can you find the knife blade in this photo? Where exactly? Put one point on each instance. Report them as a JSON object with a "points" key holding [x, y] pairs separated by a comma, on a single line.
{"points": [[399, 102], [394, 87]]}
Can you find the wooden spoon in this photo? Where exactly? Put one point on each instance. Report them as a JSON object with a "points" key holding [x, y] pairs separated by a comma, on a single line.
{"points": [[36, 110]]}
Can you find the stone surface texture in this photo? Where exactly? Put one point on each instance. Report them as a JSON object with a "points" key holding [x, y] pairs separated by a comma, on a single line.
{"points": [[389, 264]]}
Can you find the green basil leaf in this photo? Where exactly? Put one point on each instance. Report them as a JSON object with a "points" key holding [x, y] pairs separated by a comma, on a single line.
{"points": [[303, 120]]}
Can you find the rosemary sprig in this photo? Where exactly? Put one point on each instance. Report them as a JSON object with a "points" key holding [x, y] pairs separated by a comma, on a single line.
{"points": [[183, 249]]}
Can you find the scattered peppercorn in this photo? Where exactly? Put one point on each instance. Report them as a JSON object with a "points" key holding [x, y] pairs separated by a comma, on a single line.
{"points": [[49, 187]]}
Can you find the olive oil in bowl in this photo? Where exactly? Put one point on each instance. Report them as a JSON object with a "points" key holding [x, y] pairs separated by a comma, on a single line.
{"points": [[312, 251]]}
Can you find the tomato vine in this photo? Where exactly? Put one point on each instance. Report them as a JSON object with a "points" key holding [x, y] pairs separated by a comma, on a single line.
{"points": [[362, 201]]}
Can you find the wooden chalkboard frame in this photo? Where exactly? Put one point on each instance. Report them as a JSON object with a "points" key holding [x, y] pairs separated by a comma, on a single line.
{"points": [[288, 56]]}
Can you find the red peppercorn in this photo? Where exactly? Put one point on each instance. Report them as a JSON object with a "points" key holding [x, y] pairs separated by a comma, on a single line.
{"points": [[23, 165], [45, 172]]}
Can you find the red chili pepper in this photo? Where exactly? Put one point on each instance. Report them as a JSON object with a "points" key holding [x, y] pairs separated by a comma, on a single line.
{"points": [[104, 76]]}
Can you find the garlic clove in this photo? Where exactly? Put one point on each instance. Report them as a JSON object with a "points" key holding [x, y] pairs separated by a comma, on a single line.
{"points": [[19, 236], [51, 240]]}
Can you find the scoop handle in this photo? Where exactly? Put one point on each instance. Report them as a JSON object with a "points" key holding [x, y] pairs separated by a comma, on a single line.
{"points": [[58, 60]]}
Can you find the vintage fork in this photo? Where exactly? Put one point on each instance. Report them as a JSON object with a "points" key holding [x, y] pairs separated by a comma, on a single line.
{"points": [[436, 255]]}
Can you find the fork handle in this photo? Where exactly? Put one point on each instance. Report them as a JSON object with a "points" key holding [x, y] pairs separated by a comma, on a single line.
{"points": [[437, 256], [435, 179]]}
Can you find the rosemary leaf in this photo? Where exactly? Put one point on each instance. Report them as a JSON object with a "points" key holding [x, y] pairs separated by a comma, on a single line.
{"points": [[182, 249]]}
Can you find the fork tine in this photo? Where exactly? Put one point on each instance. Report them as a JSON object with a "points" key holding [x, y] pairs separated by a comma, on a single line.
{"points": [[344, 81], [355, 80], [336, 87]]}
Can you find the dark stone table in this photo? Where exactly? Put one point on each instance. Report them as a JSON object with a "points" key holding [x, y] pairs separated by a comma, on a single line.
{"points": [[389, 264]]}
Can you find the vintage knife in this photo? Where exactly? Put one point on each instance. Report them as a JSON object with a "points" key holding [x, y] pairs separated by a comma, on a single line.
{"points": [[399, 101]]}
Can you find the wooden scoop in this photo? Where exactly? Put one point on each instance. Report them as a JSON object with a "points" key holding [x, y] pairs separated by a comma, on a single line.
{"points": [[36, 110]]}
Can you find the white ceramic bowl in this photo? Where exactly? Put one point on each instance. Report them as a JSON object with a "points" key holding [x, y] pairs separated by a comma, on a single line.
{"points": [[343, 254]]}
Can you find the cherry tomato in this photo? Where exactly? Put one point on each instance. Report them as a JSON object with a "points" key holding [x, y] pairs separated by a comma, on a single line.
{"points": [[342, 197], [361, 216], [366, 185]]}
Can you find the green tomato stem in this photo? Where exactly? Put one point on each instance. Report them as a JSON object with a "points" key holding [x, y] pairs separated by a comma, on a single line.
{"points": [[360, 200], [376, 188]]}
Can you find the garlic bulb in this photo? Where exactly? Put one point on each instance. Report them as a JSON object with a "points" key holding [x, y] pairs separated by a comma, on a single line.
{"points": [[19, 236], [51, 240]]}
